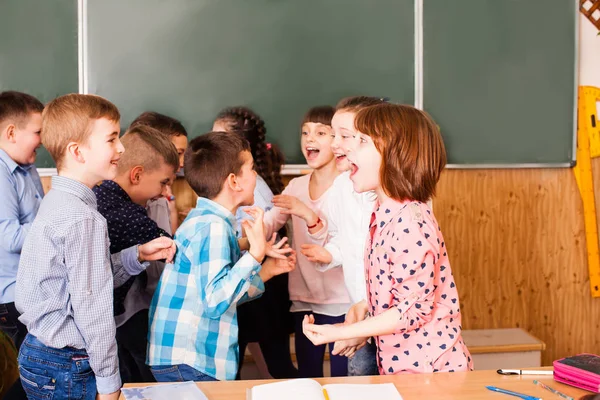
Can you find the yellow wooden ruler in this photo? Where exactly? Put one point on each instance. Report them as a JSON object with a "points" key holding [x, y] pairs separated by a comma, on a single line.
{"points": [[588, 146]]}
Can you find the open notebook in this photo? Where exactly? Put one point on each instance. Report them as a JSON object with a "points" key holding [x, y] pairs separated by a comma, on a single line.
{"points": [[308, 389]]}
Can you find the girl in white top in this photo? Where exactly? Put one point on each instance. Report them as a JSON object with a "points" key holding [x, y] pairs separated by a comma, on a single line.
{"points": [[322, 294], [348, 217]]}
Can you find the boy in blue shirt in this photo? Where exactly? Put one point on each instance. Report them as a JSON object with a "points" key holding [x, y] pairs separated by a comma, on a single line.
{"points": [[193, 315], [21, 194]]}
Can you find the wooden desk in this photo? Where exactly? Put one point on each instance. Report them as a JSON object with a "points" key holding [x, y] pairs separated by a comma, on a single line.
{"points": [[458, 385]]}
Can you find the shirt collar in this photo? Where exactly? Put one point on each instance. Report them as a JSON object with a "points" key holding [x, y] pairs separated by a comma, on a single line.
{"points": [[11, 164], [217, 209], [116, 189], [75, 188]]}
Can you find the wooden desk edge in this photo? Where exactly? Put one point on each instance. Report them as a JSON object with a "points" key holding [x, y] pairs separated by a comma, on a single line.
{"points": [[463, 385]]}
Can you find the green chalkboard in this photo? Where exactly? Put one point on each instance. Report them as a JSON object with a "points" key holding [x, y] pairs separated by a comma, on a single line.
{"points": [[38, 50], [190, 58], [499, 79]]}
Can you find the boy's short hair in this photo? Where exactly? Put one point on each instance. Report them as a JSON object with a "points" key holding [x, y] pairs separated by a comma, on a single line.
{"points": [[163, 123], [411, 147], [17, 106], [320, 115], [69, 118], [210, 158], [147, 147], [357, 103]]}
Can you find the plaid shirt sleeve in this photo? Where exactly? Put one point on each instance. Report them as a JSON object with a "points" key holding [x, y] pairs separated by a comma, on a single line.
{"points": [[223, 282], [90, 285]]}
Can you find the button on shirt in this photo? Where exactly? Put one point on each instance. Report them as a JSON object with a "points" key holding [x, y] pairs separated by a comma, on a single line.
{"points": [[21, 193], [193, 315], [65, 279]]}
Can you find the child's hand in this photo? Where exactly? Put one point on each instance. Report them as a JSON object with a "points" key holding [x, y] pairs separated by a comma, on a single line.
{"points": [[162, 248], [278, 250], [255, 232], [320, 334], [291, 205], [277, 266], [357, 312], [348, 347], [316, 253]]}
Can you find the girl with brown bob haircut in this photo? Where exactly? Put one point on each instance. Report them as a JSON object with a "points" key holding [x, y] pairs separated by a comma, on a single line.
{"points": [[411, 147], [412, 297]]}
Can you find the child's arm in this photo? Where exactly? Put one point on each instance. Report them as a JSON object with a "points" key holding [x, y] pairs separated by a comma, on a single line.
{"points": [[274, 220], [173, 213], [326, 245], [413, 297], [13, 233], [223, 282], [291, 205], [133, 260], [90, 285]]}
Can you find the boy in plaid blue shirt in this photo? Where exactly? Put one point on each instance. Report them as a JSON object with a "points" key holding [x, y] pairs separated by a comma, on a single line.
{"points": [[193, 315]]}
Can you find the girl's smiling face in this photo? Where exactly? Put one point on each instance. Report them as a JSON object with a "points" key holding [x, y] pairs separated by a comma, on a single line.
{"points": [[315, 140]]}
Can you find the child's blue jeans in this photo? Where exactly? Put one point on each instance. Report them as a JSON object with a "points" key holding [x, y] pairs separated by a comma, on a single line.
{"points": [[47, 372], [179, 373]]}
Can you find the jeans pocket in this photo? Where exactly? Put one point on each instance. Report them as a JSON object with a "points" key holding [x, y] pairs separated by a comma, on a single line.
{"points": [[37, 383], [168, 373], [82, 384]]}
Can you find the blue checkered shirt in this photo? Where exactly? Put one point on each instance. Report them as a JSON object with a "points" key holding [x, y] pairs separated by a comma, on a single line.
{"points": [[193, 315]]}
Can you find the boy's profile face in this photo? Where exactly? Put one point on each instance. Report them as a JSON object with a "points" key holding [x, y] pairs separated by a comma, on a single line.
{"points": [[181, 143], [247, 179], [153, 184], [27, 139], [102, 150]]}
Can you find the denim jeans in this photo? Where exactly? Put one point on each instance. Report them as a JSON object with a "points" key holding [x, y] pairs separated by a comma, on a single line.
{"points": [[364, 361], [48, 373], [179, 373]]}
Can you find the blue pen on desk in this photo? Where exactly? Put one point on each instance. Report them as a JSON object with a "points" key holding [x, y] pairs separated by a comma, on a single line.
{"points": [[521, 395]]}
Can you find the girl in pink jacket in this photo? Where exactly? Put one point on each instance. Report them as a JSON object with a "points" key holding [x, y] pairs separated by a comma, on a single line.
{"points": [[412, 309]]}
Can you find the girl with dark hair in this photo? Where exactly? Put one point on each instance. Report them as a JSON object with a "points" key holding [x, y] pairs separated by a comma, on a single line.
{"points": [[266, 320]]}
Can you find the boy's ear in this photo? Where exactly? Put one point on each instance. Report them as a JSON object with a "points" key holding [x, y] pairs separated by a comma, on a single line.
{"points": [[232, 182], [135, 174], [75, 152], [9, 133]]}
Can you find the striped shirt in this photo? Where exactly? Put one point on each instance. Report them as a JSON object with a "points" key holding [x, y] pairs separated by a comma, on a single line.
{"points": [[193, 315], [65, 280]]}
